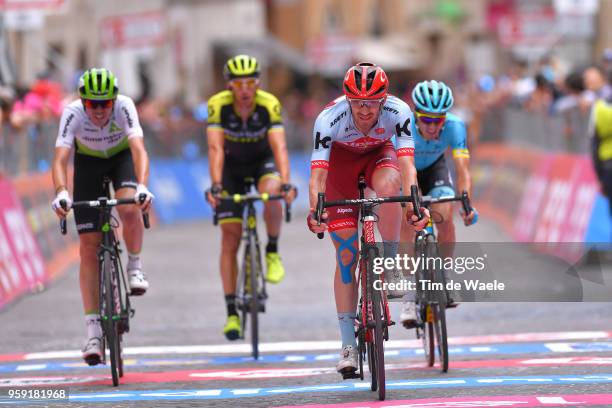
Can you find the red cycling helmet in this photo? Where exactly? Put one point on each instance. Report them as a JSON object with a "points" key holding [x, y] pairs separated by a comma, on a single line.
{"points": [[365, 81]]}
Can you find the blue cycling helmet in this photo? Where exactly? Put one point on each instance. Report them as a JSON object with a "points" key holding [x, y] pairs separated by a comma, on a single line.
{"points": [[432, 97]]}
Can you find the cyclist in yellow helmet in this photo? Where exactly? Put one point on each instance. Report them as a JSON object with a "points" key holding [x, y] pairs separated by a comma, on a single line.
{"points": [[246, 138]]}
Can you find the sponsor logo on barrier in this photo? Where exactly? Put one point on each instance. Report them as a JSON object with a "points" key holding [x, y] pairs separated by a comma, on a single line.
{"points": [[22, 266]]}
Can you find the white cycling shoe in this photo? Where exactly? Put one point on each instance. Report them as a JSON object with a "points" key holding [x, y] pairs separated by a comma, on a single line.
{"points": [[408, 316], [92, 352], [138, 282], [348, 360]]}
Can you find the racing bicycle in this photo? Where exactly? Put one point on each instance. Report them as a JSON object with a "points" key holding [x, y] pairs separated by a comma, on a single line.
{"points": [[251, 286], [373, 317], [115, 307], [432, 298]]}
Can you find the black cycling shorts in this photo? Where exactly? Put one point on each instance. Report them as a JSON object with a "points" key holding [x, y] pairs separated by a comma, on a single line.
{"points": [[89, 175], [233, 182], [436, 177]]}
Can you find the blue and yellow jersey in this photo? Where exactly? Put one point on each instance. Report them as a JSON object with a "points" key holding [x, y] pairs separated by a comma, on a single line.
{"points": [[453, 135]]}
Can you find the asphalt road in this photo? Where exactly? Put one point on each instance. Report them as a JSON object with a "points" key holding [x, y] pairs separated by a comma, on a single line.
{"points": [[184, 307]]}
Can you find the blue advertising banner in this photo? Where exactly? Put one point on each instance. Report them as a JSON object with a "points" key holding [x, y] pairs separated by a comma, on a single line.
{"points": [[179, 187]]}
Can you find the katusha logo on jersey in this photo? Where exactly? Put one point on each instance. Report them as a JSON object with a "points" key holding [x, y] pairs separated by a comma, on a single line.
{"points": [[365, 143]]}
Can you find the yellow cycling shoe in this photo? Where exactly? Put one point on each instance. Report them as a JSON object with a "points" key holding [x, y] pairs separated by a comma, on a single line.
{"points": [[232, 329], [275, 271]]}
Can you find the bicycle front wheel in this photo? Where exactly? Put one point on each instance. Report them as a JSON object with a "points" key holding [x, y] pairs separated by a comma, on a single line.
{"points": [[441, 335], [254, 303], [378, 345], [439, 309], [428, 337], [378, 314], [110, 315]]}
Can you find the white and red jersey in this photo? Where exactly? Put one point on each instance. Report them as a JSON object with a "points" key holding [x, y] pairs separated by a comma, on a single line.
{"points": [[335, 125]]}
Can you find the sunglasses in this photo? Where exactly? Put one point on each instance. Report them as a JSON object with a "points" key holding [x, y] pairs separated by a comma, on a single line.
{"points": [[366, 103], [91, 104], [250, 83], [430, 118]]}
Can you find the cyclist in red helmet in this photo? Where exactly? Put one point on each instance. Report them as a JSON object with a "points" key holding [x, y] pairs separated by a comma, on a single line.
{"points": [[352, 136]]}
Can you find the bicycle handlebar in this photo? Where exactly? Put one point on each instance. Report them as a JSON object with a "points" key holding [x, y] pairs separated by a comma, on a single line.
{"points": [[104, 202], [426, 201], [416, 202], [319, 212], [414, 198], [251, 198], [322, 204]]}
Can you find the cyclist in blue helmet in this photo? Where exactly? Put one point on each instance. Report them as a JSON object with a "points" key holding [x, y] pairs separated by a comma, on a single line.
{"points": [[435, 129]]}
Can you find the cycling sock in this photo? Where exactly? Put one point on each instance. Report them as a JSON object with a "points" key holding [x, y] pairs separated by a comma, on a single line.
{"points": [[134, 262], [92, 321], [390, 248], [230, 303], [272, 244], [346, 320]]}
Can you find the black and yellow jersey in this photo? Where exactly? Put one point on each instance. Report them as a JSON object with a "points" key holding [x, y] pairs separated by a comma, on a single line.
{"points": [[601, 127], [245, 141]]}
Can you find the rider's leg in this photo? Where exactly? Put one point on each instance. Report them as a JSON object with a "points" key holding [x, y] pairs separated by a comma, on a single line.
{"points": [[273, 210], [231, 232], [133, 231], [446, 229], [273, 216], [88, 280], [88, 271], [345, 291], [345, 286], [131, 218]]}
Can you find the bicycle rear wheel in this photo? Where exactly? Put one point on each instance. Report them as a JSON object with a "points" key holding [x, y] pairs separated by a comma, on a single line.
{"points": [[108, 313]]}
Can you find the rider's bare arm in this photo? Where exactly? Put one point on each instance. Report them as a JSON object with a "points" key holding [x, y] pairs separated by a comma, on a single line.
{"points": [[408, 172], [141, 159], [318, 177], [215, 153], [278, 144], [59, 168], [464, 180]]}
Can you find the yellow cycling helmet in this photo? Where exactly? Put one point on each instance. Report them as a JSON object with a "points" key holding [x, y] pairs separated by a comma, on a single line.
{"points": [[241, 66]]}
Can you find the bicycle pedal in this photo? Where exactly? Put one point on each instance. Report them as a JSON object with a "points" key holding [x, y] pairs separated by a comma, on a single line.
{"points": [[93, 360], [137, 292], [410, 324], [391, 323], [452, 305], [349, 374]]}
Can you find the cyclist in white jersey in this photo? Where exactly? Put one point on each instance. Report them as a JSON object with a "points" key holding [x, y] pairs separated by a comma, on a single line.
{"points": [[352, 136], [103, 128]]}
